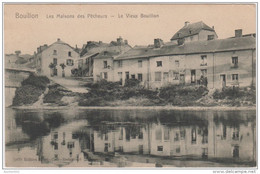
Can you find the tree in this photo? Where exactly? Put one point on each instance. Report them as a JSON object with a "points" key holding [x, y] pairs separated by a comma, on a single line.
{"points": [[52, 66], [62, 65]]}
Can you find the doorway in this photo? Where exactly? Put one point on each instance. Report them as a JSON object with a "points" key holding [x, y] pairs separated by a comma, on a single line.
{"points": [[193, 76], [223, 80]]}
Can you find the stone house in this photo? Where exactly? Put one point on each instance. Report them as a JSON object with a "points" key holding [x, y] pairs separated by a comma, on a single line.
{"points": [[97, 58], [214, 63], [194, 32], [57, 53]]}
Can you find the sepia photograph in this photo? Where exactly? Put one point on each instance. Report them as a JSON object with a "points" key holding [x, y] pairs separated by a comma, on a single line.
{"points": [[129, 85]]}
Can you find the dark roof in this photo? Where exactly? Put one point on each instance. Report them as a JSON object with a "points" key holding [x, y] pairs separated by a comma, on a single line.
{"points": [[191, 29], [196, 47], [106, 54]]}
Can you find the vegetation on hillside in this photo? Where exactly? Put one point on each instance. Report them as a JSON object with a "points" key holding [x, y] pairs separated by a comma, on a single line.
{"points": [[30, 90], [104, 93]]}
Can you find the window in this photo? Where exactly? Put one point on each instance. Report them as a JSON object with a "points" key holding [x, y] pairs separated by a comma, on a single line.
{"points": [[126, 75], [120, 77], [204, 152], [140, 63], [105, 75], [70, 62], [234, 62], [56, 156], [106, 136], [133, 76], [182, 134], [106, 147], [166, 134], [56, 146], [224, 136], [141, 135], [54, 52], [55, 61], [159, 63], [140, 77], [121, 134], [158, 76], [176, 138], [236, 152], [54, 136], [175, 76], [235, 134], [158, 134], [234, 77], [193, 136], [70, 145], [70, 154], [160, 148], [120, 63], [203, 60], [210, 37], [204, 72], [193, 76], [69, 54], [178, 149], [105, 64], [177, 63]]}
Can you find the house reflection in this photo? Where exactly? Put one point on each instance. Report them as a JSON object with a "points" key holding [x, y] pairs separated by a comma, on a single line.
{"points": [[212, 136], [201, 139]]}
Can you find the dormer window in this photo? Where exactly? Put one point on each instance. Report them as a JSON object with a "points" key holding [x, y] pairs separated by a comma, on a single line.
{"points": [[210, 37], [190, 31]]}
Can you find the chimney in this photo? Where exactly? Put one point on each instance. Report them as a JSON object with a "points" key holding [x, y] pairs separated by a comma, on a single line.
{"points": [[76, 46], [213, 27], [158, 43], [186, 23], [38, 50], [58, 39], [126, 42], [119, 40], [238, 33], [100, 42]]}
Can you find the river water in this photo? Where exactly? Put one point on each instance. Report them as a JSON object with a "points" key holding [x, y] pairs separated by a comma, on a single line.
{"points": [[129, 138]]}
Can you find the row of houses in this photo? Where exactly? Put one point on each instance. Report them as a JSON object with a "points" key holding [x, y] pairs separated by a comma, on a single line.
{"points": [[194, 55], [202, 139]]}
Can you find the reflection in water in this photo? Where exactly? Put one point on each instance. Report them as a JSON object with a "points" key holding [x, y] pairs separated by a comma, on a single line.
{"points": [[131, 138]]}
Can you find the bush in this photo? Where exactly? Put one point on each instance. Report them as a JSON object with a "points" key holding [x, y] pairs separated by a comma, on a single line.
{"points": [[30, 90], [37, 81], [182, 95], [230, 93], [131, 82], [26, 94]]}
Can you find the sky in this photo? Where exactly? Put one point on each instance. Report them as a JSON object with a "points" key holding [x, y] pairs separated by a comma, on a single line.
{"points": [[26, 34]]}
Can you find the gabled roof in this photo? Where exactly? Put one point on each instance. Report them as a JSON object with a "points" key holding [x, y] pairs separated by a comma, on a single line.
{"points": [[191, 29], [58, 42], [196, 47]]}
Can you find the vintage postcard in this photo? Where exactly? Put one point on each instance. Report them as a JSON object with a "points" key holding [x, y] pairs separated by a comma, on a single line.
{"points": [[129, 85]]}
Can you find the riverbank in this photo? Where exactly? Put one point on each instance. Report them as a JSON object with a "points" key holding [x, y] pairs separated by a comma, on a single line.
{"points": [[111, 95], [190, 108]]}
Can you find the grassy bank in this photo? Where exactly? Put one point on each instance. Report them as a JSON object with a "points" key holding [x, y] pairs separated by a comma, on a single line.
{"points": [[106, 93], [113, 94]]}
